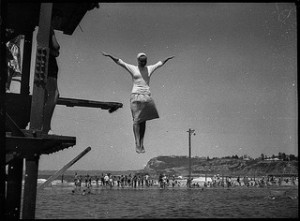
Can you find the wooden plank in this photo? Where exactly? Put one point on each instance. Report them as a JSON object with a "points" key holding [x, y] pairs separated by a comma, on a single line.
{"points": [[72, 102], [67, 166]]}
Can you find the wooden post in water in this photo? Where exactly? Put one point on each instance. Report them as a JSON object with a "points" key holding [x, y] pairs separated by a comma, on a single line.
{"points": [[14, 189], [31, 175], [67, 166]]}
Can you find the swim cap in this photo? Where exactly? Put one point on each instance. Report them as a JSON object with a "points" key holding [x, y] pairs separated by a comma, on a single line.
{"points": [[141, 54]]}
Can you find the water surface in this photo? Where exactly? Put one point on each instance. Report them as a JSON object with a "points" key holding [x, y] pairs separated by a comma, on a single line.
{"points": [[58, 202]]}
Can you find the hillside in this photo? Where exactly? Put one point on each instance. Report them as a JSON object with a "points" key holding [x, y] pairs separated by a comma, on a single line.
{"points": [[178, 165]]}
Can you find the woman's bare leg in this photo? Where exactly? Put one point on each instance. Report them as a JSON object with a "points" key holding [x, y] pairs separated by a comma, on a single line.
{"points": [[136, 131], [139, 133], [142, 134]]}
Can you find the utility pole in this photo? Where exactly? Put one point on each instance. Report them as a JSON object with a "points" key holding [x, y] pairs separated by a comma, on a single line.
{"points": [[190, 131]]}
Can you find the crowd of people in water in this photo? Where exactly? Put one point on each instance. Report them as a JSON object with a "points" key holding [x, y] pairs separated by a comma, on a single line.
{"points": [[228, 181], [108, 180]]}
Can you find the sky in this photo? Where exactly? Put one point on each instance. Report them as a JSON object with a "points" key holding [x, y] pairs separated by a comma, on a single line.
{"points": [[233, 80]]}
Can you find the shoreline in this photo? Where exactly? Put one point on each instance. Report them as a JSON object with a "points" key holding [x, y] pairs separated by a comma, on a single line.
{"points": [[182, 184]]}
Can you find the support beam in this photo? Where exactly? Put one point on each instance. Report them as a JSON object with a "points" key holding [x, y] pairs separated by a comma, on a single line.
{"points": [[31, 176], [2, 110], [41, 68], [26, 63], [37, 107], [14, 189]]}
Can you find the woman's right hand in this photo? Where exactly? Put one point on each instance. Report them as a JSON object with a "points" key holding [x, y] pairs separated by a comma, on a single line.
{"points": [[105, 54]]}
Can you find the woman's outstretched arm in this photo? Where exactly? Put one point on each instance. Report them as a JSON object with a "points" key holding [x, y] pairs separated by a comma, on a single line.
{"points": [[115, 59], [164, 61]]}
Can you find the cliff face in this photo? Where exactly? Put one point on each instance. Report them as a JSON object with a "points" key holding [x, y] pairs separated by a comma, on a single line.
{"points": [[179, 165]]}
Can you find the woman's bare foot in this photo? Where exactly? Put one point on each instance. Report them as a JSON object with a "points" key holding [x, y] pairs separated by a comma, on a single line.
{"points": [[138, 149]]}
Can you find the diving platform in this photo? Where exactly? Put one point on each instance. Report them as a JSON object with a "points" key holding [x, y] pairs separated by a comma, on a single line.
{"points": [[24, 145], [37, 144]]}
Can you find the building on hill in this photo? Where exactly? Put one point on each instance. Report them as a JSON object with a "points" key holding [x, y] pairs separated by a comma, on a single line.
{"points": [[274, 159], [201, 158]]}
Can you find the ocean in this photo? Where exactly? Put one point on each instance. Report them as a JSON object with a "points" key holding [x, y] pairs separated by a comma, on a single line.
{"points": [[58, 202]]}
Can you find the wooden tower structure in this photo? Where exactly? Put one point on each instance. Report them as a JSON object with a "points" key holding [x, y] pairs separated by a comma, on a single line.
{"points": [[25, 146]]}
